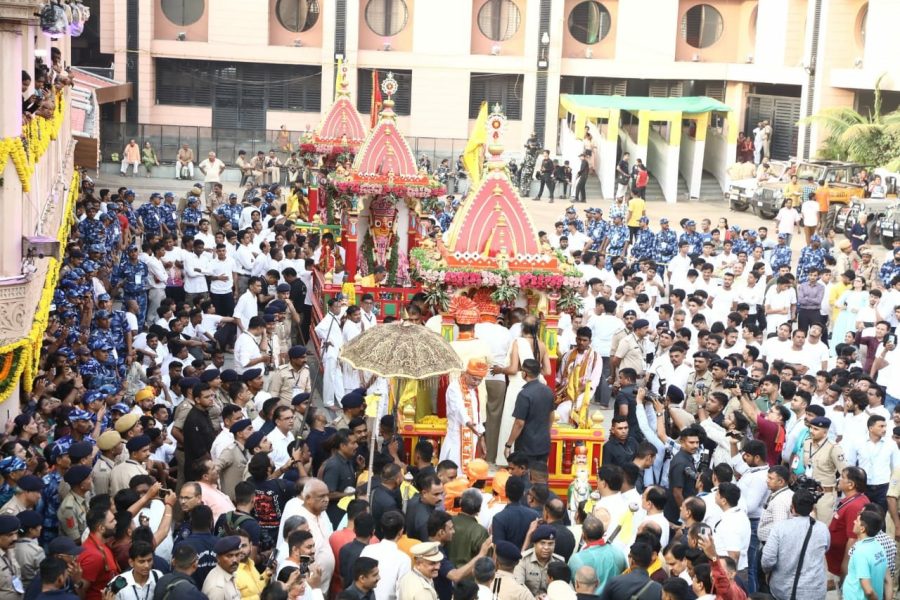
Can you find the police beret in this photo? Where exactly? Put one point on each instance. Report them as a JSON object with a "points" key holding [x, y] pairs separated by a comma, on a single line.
{"points": [[543, 532], [188, 382], [126, 422], [254, 440], [227, 544], [508, 551], [103, 298], [229, 376], [641, 323], [120, 407], [823, 422], [629, 313], [283, 287], [250, 374], [63, 545], [8, 524], [108, 389], [675, 394], [297, 351], [352, 400], [240, 425], [136, 443], [108, 440], [816, 409], [300, 398], [80, 450], [29, 519], [30, 483], [77, 474], [269, 318], [90, 396], [76, 254], [209, 374], [90, 266]]}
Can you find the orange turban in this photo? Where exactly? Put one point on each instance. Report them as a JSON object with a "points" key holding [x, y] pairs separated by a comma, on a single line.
{"points": [[498, 485], [477, 469], [464, 310], [477, 367]]}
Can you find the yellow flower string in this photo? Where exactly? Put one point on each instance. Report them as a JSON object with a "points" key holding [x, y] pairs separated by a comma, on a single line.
{"points": [[26, 150], [26, 353]]}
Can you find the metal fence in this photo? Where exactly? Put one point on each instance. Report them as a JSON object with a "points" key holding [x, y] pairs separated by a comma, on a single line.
{"points": [[167, 139]]}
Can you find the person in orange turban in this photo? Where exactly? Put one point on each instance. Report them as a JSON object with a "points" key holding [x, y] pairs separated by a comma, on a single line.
{"points": [[465, 421]]}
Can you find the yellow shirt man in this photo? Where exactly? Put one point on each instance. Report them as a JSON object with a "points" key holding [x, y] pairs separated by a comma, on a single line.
{"points": [[637, 208]]}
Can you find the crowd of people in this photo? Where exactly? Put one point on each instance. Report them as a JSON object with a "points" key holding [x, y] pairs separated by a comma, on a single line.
{"points": [[170, 446]]}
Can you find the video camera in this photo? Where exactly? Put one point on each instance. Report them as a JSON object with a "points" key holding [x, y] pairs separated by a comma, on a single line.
{"points": [[809, 484], [738, 378]]}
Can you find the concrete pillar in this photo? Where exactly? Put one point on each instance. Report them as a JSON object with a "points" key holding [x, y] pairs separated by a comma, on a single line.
{"points": [[696, 167]]}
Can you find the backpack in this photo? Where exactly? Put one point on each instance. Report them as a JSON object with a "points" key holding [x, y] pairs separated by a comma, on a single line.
{"points": [[232, 523]]}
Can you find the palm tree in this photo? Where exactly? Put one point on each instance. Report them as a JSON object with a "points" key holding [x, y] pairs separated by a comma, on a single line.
{"points": [[872, 140]]}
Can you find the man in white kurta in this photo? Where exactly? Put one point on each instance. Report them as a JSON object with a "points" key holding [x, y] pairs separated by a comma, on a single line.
{"points": [[465, 427], [352, 328], [329, 332]]}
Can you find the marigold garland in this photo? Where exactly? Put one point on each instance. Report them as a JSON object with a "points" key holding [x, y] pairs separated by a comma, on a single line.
{"points": [[23, 356], [26, 150]]}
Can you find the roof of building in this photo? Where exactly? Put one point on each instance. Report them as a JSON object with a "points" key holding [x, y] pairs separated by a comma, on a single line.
{"points": [[590, 105]]}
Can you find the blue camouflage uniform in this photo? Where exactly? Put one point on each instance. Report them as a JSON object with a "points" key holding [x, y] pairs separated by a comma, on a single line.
{"points": [[579, 224], [231, 212], [597, 230], [781, 256], [618, 237], [168, 212], [644, 242], [92, 231], [665, 248], [695, 241], [615, 210], [49, 505], [190, 218], [444, 220], [134, 277], [889, 270], [810, 257], [150, 215], [98, 374]]}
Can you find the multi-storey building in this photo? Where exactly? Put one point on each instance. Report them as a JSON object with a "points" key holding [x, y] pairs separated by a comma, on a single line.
{"points": [[262, 64]]}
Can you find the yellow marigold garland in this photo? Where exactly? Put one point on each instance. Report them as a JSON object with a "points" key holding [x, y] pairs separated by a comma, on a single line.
{"points": [[24, 355], [26, 150]]}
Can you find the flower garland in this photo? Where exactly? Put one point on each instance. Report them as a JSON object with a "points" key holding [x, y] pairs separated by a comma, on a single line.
{"points": [[26, 150], [21, 358]]}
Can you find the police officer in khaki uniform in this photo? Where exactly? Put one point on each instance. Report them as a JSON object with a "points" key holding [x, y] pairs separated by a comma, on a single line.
{"points": [[233, 461], [11, 587], [111, 446], [353, 405], [300, 402], [212, 377], [80, 453], [282, 337], [505, 586], [27, 496], [630, 351], [700, 378], [291, 378], [418, 584], [532, 569], [822, 460], [73, 509], [28, 551]]}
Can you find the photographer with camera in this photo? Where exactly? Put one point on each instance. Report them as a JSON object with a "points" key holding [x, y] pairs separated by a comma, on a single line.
{"points": [[700, 379], [820, 459], [770, 422]]}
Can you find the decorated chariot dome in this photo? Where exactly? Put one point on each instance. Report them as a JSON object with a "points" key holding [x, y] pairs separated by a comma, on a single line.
{"points": [[492, 229], [385, 163], [341, 129]]}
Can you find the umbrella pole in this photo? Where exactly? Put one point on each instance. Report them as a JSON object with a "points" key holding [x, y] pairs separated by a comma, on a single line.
{"points": [[372, 443]]}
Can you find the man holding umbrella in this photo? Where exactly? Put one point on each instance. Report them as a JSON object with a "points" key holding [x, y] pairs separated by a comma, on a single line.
{"points": [[465, 430]]}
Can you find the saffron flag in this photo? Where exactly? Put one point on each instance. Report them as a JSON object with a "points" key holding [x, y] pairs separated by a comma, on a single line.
{"points": [[376, 100], [473, 156]]}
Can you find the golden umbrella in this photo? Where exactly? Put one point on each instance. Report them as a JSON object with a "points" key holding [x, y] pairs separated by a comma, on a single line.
{"points": [[400, 350], [403, 350]]}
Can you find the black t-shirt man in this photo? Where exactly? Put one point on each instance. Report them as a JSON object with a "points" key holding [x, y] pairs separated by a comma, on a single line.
{"points": [[534, 404], [682, 475]]}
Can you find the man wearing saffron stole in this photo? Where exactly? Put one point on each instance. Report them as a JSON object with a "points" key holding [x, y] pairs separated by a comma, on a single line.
{"points": [[465, 429], [579, 374]]}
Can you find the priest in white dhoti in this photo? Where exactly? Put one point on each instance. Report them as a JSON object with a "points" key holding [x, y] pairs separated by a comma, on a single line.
{"points": [[352, 329], [579, 375], [331, 337], [465, 423]]}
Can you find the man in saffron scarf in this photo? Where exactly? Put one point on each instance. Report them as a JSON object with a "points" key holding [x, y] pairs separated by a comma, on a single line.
{"points": [[465, 428], [579, 375]]}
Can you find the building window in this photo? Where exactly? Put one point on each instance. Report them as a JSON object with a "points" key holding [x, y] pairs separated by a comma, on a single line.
{"points": [[702, 26], [589, 22], [183, 12], [505, 90], [862, 21], [499, 20], [386, 17], [297, 15], [273, 87], [402, 99]]}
